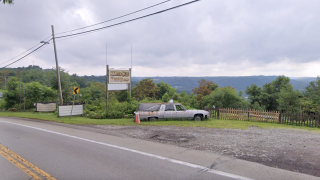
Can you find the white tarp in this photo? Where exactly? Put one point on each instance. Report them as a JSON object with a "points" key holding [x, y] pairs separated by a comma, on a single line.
{"points": [[46, 107], [117, 87], [66, 110]]}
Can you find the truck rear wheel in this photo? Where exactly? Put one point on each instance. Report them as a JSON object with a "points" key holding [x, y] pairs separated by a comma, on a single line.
{"points": [[152, 118]]}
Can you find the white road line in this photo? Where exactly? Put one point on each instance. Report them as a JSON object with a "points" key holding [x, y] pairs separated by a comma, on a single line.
{"points": [[142, 153]]}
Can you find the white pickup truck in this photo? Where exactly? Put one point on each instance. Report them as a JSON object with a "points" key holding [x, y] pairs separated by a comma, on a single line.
{"points": [[154, 111]]}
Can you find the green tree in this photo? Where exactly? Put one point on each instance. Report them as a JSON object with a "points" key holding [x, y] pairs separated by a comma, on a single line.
{"points": [[97, 91], [193, 102], [205, 87], [7, 1], [35, 92], [166, 88], [123, 96], [146, 88], [280, 82], [225, 97], [66, 84], [34, 74], [254, 93], [185, 99], [268, 95], [288, 98], [12, 95], [257, 106], [165, 97], [80, 81], [311, 100]]}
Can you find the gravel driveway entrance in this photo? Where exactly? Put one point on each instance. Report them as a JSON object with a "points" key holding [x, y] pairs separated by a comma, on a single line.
{"points": [[290, 149]]}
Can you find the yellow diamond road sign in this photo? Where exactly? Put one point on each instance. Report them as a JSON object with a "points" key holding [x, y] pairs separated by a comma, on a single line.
{"points": [[76, 90]]}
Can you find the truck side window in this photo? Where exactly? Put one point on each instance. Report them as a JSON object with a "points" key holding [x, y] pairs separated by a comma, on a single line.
{"points": [[169, 107], [180, 108]]}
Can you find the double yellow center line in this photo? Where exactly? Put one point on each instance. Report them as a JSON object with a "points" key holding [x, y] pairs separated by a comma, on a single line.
{"points": [[30, 169]]}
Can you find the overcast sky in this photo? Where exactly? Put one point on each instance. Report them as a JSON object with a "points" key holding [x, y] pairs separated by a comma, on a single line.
{"points": [[206, 38]]}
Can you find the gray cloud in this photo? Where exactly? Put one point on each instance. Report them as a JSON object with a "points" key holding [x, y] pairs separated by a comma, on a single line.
{"points": [[198, 39]]}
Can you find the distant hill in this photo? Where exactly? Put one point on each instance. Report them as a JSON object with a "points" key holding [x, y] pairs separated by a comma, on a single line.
{"points": [[182, 84], [240, 83]]}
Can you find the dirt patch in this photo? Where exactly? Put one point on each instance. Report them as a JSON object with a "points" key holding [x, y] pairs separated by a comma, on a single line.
{"points": [[289, 149]]}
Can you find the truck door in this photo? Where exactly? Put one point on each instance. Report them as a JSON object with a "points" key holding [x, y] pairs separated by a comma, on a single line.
{"points": [[170, 112], [181, 112]]}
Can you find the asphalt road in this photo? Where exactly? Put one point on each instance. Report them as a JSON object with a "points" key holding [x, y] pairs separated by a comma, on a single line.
{"points": [[72, 153]]}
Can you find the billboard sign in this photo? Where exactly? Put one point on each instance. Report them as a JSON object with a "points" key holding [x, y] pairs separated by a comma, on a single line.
{"points": [[46, 107], [119, 76], [68, 109]]}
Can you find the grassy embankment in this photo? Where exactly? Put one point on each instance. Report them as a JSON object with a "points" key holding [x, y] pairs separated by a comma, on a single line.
{"points": [[211, 123]]}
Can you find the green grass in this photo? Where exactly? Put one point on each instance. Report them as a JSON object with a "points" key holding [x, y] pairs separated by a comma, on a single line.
{"points": [[210, 123], [74, 119]]}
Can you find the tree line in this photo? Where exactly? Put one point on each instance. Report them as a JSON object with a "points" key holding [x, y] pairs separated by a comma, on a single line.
{"points": [[34, 84]]}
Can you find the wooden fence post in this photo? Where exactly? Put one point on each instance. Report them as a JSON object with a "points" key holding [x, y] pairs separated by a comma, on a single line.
{"points": [[280, 116]]}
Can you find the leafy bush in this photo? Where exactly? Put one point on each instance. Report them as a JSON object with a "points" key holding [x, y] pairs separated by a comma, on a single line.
{"points": [[225, 97], [2, 104], [35, 92], [114, 114]]}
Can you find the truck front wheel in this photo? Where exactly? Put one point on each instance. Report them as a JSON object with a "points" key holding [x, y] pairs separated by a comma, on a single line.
{"points": [[197, 117]]}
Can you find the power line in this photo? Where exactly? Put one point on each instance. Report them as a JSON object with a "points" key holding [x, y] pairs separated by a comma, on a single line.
{"points": [[25, 55], [26, 50], [59, 40], [116, 17], [129, 20], [86, 27], [159, 12]]}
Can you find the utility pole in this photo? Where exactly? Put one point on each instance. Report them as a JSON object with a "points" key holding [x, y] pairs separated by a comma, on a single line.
{"points": [[107, 81], [130, 74], [107, 92], [57, 65], [24, 98], [130, 83], [20, 96]]}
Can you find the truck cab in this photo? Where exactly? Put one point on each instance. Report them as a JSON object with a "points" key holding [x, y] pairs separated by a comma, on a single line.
{"points": [[154, 111]]}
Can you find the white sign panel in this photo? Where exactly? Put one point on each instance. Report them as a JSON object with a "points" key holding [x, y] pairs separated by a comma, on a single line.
{"points": [[117, 87], [119, 76], [46, 107], [66, 110]]}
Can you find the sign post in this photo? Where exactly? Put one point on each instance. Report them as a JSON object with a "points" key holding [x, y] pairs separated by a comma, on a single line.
{"points": [[118, 78], [75, 92]]}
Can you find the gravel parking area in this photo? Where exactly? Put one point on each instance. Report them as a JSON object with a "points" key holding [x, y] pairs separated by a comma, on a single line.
{"points": [[290, 149]]}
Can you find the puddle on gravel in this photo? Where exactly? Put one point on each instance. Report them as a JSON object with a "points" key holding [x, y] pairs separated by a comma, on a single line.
{"points": [[171, 137]]}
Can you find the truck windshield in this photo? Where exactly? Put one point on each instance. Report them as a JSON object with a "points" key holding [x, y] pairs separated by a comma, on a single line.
{"points": [[180, 108]]}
